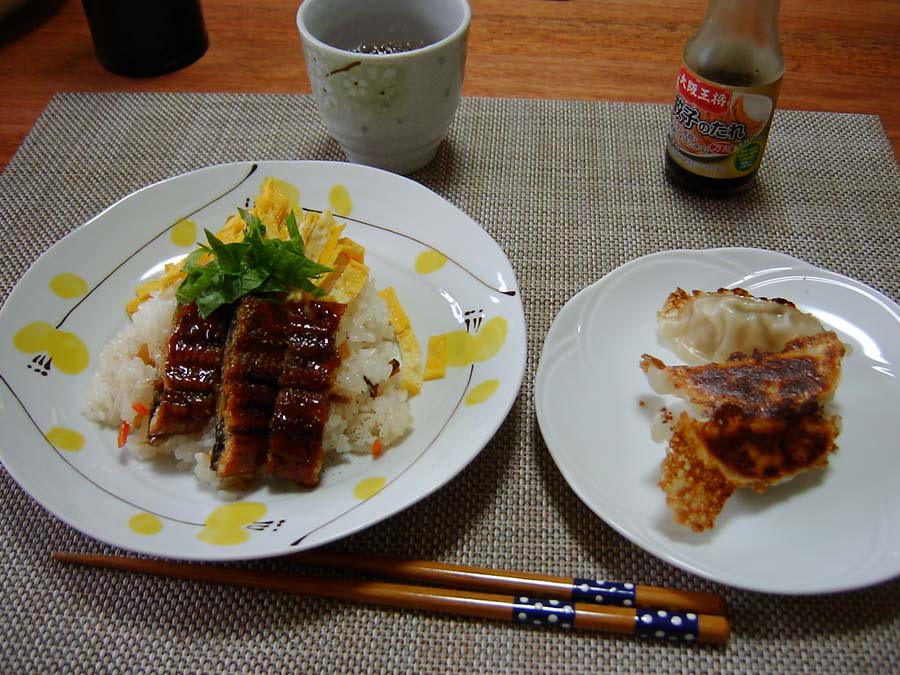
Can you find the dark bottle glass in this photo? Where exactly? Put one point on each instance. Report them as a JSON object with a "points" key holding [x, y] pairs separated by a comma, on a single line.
{"points": [[725, 97], [140, 38]]}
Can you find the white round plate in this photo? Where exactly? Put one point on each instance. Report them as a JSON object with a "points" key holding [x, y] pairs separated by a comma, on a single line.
{"points": [[74, 468], [831, 530]]}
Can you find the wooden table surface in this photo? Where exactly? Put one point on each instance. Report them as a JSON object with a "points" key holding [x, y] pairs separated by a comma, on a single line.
{"points": [[841, 56]]}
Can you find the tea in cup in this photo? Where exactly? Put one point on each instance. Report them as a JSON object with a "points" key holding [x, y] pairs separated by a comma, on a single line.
{"points": [[386, 74]]}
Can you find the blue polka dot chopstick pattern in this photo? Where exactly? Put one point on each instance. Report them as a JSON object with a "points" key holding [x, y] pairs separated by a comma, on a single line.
{"points": [[604, 592], [656, 624], [578, 589], [659, 624], [663, 625], [551, 612]]}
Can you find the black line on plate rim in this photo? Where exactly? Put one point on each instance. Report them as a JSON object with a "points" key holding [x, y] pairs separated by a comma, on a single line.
{"points": [[421, 454], [252, 169], [63, 458], [115, 269], [509, 293]]}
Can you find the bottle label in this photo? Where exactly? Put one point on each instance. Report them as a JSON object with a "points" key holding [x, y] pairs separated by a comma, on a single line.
{"points": [[719, 131]]}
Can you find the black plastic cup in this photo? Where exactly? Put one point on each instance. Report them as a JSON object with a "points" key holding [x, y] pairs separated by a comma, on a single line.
{"points": [[140, 38]]}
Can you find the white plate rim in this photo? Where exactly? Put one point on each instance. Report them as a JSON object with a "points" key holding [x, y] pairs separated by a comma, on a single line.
{"points": [[567, 331], [489, 258]]}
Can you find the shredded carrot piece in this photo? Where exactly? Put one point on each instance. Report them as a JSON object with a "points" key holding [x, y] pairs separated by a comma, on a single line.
{"points": [[377, 447], [123, 433], [140, 409]]}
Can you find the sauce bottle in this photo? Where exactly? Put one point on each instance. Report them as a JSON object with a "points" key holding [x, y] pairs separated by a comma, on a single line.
{"points": [[725, 97]]}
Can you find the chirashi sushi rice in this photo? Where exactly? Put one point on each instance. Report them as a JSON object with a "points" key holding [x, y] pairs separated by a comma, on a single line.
{"points": [[374, 336]]}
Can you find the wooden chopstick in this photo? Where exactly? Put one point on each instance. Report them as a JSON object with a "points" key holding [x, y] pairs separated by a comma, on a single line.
{"points": [[658, 624], [525, 583]]}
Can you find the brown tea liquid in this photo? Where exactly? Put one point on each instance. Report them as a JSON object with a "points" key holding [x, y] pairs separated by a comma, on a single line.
{"points": [[388, 47]]}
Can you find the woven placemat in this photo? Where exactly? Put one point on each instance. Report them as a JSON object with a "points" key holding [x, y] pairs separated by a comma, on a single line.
{"points": [[541, 177]]}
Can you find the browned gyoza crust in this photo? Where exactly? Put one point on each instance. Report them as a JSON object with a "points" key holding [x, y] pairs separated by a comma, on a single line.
{"points": [[765, 422], [707, 460], [186, 396], [807, 369], [279, 367]]}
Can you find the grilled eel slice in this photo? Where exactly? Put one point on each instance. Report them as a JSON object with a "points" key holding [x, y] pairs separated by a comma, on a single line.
{"points": [[279, 368], [185, 398]]}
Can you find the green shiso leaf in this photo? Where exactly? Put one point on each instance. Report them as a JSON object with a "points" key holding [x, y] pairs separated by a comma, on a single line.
{"points": [[254, 266]]}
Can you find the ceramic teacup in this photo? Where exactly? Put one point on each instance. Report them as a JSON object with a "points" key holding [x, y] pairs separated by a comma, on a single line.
{"points": [[386, 74]]}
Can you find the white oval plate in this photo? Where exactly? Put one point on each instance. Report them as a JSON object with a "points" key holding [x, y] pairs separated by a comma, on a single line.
{"points": [[830, 530], [73, 467]]}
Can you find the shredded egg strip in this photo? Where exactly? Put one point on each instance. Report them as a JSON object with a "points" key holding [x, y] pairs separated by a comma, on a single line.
{"points": [[324, 243]]}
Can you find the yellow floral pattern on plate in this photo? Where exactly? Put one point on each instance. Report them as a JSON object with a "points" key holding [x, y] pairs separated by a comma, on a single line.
{"points": [[226, 525], [482, 392], [430, 261], [339, 200], [52, 345], [68, 285], [65, 439], [184, 233], [145, 523], [66, 350], [369, 487], [464, 349]]}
